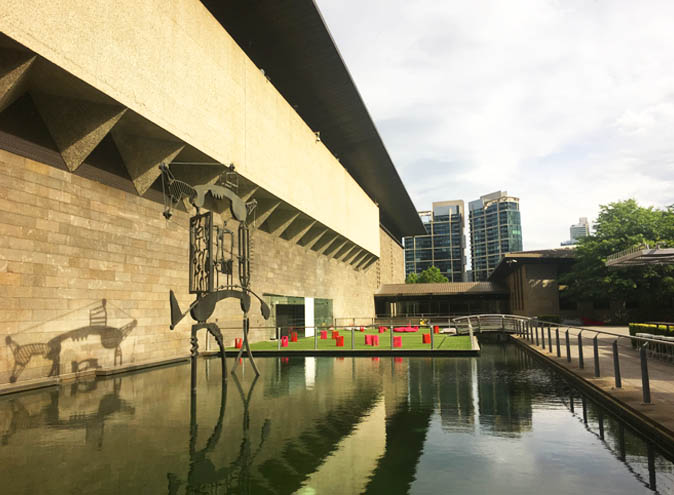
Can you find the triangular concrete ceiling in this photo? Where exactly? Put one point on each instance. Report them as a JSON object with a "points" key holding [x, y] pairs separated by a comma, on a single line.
{"points": [[14, 68], [76, 126]]}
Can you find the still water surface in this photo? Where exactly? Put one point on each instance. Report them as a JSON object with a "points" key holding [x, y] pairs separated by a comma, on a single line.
{"points": [[500, 423]]}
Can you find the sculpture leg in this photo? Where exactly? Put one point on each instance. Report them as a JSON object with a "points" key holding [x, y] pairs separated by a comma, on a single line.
{"points": [[246, 346], [217, 334], [194, 354]]}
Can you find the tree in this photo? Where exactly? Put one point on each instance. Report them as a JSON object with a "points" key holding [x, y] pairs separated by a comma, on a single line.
{"points": [[429, 275], [622, 225]]}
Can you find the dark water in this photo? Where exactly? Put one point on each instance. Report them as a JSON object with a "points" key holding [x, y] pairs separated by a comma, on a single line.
{"points": [[500, 423]]}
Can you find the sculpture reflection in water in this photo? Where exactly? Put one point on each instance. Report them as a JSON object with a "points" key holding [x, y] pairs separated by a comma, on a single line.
{"points": [[212, 259], [203, 475]]}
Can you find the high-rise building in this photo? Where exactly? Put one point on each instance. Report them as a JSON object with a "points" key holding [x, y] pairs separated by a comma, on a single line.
{"points": [[495, 229], [578, 230], [444, 244]]}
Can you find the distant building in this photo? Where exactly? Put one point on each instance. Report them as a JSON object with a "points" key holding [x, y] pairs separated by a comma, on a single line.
{"points": [[495, 229], [578, 230], [444, 244]]}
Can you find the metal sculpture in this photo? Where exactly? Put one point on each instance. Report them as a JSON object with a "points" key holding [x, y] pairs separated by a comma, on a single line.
{"points": [[211, 262]]}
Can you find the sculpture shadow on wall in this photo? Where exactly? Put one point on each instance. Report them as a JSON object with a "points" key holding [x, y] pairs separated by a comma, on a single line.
{"points": [[76, 411], [203, 475], [111, 338]]}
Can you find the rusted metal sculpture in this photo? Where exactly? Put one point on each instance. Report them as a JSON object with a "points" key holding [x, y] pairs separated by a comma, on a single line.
{"points": [[212, 259]]}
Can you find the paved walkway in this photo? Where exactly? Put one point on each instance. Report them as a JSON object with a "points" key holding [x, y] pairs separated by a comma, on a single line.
{"points": [[661, 371]]}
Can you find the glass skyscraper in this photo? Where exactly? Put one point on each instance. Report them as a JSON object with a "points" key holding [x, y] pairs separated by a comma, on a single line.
{"points": [[495, 229], [444, 244]]}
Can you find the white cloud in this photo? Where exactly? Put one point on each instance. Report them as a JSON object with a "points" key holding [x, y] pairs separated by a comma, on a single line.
{"points": [[566, 104]]}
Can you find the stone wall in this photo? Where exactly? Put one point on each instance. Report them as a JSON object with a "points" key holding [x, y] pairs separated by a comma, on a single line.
{"points": [[85, 272]]}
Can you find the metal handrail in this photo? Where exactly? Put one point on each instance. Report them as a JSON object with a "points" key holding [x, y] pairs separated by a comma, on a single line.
{"points": [[560, 325], [530, 332]]}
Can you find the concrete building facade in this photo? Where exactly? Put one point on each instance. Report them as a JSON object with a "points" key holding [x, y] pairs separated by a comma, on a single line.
{"points": [[93, 99]]}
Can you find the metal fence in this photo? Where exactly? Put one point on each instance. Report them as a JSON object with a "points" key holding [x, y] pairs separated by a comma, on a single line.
{"points": [[580, 345]]}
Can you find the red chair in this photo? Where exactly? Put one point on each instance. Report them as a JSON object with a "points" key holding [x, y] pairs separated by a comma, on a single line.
{"points": [[368, 339], [284, 341], [362, 329], [293, 337], [426, 338], [324, 334], [397, 341], [436, 329], [339, 341], [375, 340], [335, 334]]}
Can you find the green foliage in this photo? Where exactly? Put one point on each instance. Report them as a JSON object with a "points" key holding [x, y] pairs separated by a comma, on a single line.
{"points": [[429, 275], [620, 226]]}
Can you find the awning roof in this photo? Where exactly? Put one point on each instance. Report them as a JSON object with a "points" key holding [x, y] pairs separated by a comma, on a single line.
{"points": [[292, 44]]}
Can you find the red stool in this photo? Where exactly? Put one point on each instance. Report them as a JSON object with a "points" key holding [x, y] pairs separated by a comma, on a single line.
{"points": [[340, 341], [324, 334], [238, 343], [397, 341], [293, 337], [426, 338]]}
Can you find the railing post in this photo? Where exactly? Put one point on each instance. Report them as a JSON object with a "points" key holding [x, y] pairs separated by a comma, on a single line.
{"points": [[568, 347], [559, 351], [391, 333], [645, 384], [616, 365], [432, 339], [580, 350], [549, 340], [502, 323], [542, 337], [536, 330], [353, 340], [530, 332], [596, 356], [479, 324], [318, 329], [279, 333]]}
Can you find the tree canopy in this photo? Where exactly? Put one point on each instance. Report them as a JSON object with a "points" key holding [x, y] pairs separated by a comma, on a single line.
{"points": [[429, 275], [622, 225]]}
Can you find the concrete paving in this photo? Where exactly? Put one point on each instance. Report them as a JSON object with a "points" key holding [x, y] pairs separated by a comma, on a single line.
{"points": [[660, 370]]}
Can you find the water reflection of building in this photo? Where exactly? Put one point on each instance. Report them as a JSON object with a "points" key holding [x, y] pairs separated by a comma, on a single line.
{"points": [[505, 397]]}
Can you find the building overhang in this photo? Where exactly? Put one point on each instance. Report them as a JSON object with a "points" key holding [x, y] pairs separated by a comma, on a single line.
{"points": [[511, 261], [291, 43]]}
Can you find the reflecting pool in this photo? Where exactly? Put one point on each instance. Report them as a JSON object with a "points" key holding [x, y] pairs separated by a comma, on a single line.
{"points": [[501, 423]]}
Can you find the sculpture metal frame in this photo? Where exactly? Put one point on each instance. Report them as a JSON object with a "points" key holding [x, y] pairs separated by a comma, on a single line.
{"points": [[209, 259]]}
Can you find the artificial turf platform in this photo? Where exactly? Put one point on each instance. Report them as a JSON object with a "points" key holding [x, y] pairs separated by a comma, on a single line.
{"points": [[410, 341]]}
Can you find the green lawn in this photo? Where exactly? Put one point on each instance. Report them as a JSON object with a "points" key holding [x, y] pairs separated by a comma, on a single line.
{"points": [[410, 341]]}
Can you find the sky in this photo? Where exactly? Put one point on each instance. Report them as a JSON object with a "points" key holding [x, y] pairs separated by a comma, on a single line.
{"points": [[565, 104]]}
